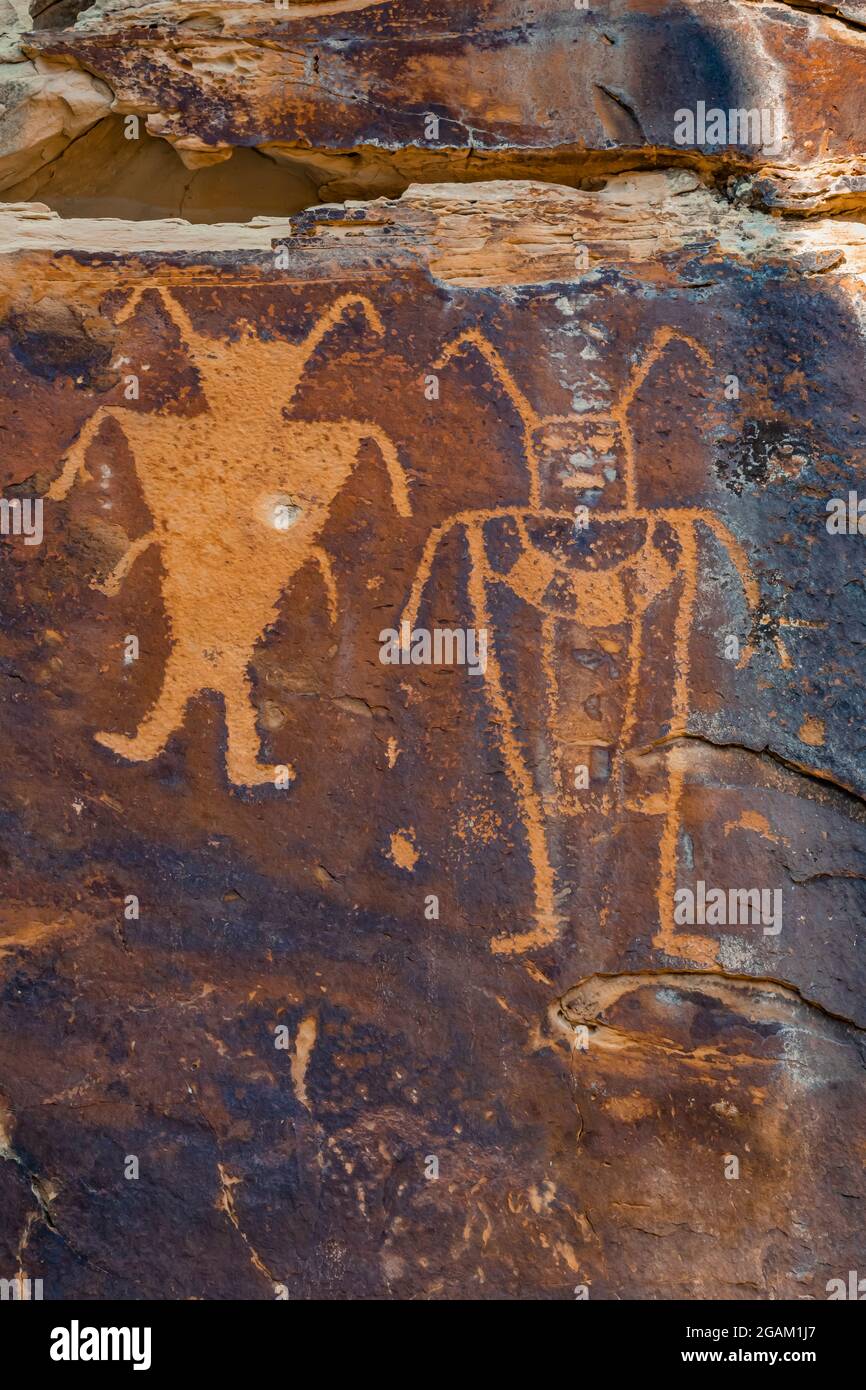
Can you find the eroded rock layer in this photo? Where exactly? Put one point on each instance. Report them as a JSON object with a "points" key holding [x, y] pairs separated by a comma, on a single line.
{"points": [[365, 97]]}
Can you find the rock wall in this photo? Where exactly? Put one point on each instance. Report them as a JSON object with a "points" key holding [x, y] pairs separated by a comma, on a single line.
{"points": [[433, 796]]}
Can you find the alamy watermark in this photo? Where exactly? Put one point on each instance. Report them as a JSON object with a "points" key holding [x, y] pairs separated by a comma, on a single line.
{"points": [[754, 128], [77, 1343], [846, 516], [439, 646], [854, 1289], [20, 1289], [21, 516], [719, 907]]}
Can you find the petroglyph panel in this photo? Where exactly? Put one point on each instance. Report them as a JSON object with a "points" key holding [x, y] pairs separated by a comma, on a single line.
{"points": [[433, 640]]}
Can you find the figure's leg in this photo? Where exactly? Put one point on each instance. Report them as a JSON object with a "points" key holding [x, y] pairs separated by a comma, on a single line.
{"points": [[519, 775], [617, 790], [701, 950], [164, 718], [242, 754], [548, 661]]}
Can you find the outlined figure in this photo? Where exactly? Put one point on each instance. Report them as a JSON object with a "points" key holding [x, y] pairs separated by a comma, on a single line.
{"points": [[604, 580], [238, 498]]}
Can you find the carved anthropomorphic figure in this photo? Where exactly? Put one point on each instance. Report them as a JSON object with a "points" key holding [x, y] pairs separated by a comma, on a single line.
{"points": [[238, 497], [600, 573]]}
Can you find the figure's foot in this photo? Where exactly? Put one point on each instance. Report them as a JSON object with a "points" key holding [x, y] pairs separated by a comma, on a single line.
{"points": [[134, 748], [251, 773], [699, 951], [546, 931]]}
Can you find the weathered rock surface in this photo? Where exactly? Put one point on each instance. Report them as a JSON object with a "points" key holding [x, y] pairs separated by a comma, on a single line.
{"points": [[365, 97], [378, 971]]}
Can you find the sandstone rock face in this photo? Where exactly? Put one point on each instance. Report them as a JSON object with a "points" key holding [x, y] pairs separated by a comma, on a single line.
{"points": [[433, 793], [368, 94]]}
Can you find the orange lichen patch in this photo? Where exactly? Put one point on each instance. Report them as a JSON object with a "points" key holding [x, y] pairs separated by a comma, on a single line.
{"points": [[630, 1109], [24, 936], [753, 820], [225, 1203], [483, 826], [542, 1198], [7, 1126], [811, 731], [403, 851], [304, 1044], [535, 974]]}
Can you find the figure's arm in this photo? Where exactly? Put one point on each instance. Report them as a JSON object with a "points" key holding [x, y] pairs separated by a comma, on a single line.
{"points": [[737, 556], [173, 308], [529, 418], [74, 460], [328, 320], [739, 560], [396, 471], [654, 349], [422, 574], [326, 570]]}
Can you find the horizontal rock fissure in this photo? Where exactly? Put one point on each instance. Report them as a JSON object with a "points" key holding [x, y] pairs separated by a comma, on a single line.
{"points": [[832, 9], [853, 799], [118, 159], [102, 174], [687, 979]]}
